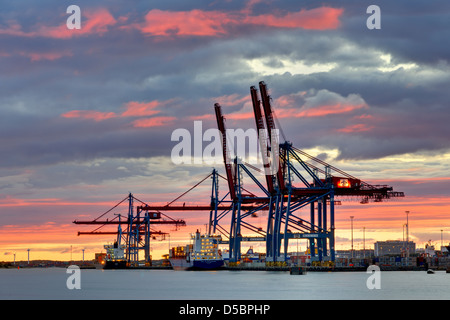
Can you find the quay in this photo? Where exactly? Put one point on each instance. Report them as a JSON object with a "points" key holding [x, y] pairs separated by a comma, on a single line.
{"points": [[324, 268]]}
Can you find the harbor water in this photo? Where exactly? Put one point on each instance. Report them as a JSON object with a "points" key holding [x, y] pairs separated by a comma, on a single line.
{"points": [[96, 284]]}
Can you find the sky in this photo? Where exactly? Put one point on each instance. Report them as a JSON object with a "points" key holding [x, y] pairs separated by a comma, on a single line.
{"points": [[86, 115]]}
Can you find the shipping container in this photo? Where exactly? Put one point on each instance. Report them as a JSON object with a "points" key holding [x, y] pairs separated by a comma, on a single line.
{"points": [[342, 182]]}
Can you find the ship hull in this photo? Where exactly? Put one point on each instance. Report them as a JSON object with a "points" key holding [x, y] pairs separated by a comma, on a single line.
{"points": [[120, 264], [182, 264]]}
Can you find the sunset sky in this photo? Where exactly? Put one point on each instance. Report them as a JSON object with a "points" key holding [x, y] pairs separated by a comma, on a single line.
{"points": [[86, 116]]}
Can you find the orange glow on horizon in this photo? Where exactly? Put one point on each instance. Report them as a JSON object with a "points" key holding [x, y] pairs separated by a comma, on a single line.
{"points": [[19, 202], [382, 221]]}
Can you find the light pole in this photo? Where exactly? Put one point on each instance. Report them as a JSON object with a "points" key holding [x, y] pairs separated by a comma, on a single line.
{"points": [[364, 242], [404, 241], [407, 236], [351, 219], [169, 242]]}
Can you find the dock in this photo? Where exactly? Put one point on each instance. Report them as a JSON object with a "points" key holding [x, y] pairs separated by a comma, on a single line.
{"points": [[322, 268]]}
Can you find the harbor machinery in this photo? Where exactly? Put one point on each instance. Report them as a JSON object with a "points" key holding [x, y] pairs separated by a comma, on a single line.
{"points": [[137, 231], [293, 180]]}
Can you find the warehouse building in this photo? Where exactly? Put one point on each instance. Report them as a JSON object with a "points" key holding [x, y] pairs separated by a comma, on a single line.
{"points": [[394, 247]]}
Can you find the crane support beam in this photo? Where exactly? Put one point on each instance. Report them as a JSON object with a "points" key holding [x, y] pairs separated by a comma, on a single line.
{"points": [[95, 233], [208, 207], [135, 221]]}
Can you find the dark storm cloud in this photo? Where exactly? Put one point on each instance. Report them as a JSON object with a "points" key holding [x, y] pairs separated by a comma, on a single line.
{"points": [[410, 30], [105, 72], [50, 141], [404, 103]]}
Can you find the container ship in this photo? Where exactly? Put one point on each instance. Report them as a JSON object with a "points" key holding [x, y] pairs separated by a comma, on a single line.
{"points": [[115, 256], [202, 254]]}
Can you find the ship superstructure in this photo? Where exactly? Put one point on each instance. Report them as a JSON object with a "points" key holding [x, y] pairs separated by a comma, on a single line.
{"points": [[115, 256], [202, 254]]}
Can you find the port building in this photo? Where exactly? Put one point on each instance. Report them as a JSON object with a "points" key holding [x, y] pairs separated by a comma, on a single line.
{"points": [[393, 247]]}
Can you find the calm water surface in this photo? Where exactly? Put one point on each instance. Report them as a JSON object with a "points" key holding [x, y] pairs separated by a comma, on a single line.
{"points": [[50, 283]]}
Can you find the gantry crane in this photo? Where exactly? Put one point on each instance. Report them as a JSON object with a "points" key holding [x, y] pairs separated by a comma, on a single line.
{"points": [[294, 180], [282, 198], [138, 232], [285, 199]]}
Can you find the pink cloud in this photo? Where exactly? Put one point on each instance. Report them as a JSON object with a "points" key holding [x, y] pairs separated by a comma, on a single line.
{"points": [[89, 114], [232, 99], [240, 116], [289, 100], [10, 201], [15, 29], [194, 22], [285, 108], [203, 117], [135, 109], [37, 56], [184, 23], [153, 122], [228, 101], [97, 22], [215, 23], [364, 116], [316, 19], [356, 128], [319, 111]]}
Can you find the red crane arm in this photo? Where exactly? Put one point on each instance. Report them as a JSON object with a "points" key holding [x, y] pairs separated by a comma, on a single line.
{"points": [[226, 158], [137, 221], [271, 129], [262, 139]]}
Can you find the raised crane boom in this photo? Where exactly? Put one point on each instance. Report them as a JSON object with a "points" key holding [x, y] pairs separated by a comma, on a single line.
{"points": [[262, 138], [271, 130], [226, 157]]}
